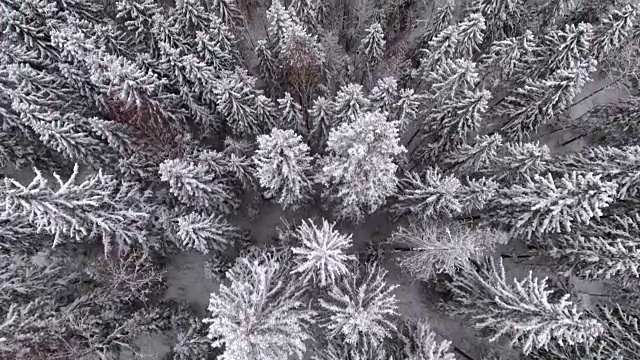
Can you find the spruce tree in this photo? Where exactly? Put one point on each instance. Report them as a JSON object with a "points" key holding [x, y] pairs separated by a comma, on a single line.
{"points": [[542, 204], [522, 310], [260, 314], [434, 194], [283, 167], [384, 95], [443, 47], [614, 30], [322, 120], [468, 159], [539, 101], [372, 45], [235, 95], [618, 165], [407, 108], [205, 233], [197, 183], [471, 34], [509, 59], [510, 162], [426, 249], [291, 113], [502, 18], [564, 48], [100, 207], [227, 11], [358, 309], [306, 12], [441, 20], [267, 64], [359, 171], [350, 103], [321, 255]]}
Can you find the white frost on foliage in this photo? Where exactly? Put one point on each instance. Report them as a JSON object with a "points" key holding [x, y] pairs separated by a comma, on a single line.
{"points": [[360, 172], [522, 310], [547, 205], [205, 233], [198, 184], [283, 166], [359, 309], [350, 103], [429, 248], [322, 254], [99, 207], [372, 45], [259, 315]]}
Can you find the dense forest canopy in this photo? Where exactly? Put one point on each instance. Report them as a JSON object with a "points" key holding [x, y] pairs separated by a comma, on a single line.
{"points": [[485, 150]]}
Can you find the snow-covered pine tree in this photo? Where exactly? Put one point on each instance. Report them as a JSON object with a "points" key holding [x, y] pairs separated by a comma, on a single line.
{"points": [[235, 95], [234, 163], [280, 20], [198, 184], [384, 95], [550, 11], [450, 124], [596, 257], [523, 310], [20, 152], [503, 18], [266, 111], [359, 309], [321, 255], [510, 162], [450, 79], [189, 17], [542, 204], [306, 12], [468, 159], [425, 249], [431, 195], [622, 325], [443, 47], [407, 108], [137, 16], [539, 101], [564, 48], [372, 45], [602, 249], [302, 57], [441, 20], [434, 195], [291, 113], [67, 134], [613, 31], [129, 91], [260, 314], [417, 341], [267, 64], [350, 103], [509, 59], [618, 165], [194, 79], [227, 11], [283, 167], [218, 36], [359, 172], [471, 34], [205, 233], [322, 120], [100, 207]]}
